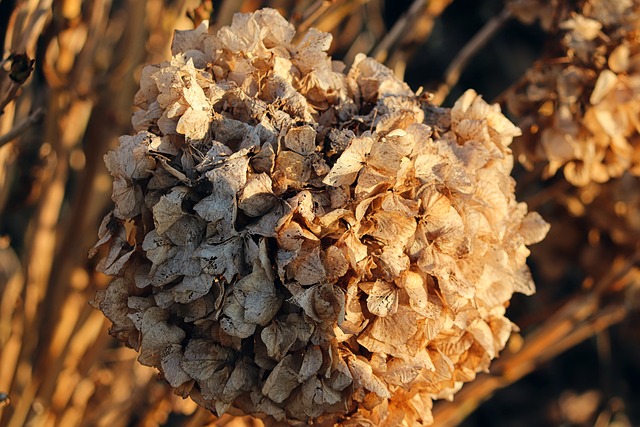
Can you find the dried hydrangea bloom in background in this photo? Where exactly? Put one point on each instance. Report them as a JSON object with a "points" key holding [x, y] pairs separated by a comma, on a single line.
{"points": [[304, 244], [583, 100]]}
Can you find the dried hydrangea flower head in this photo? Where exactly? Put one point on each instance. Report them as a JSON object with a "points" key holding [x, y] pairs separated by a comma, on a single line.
{"points": [[584, 100], [303, 244]]}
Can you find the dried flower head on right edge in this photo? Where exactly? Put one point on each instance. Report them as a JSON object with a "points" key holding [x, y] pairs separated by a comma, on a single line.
{"points": [[581, 102]]}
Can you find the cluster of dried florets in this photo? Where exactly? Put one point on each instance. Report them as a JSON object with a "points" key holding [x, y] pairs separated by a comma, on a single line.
{"points": [[583, 100], [293, 241]]}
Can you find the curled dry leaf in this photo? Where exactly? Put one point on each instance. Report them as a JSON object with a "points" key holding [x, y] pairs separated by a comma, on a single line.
{"points": [[273, 262]]}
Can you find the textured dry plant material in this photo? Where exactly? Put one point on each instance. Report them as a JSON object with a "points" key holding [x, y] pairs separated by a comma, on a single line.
{"points": [[584, 97], [302, 243]]}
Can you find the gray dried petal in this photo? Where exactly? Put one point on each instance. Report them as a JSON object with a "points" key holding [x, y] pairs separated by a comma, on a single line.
{"points": [[257, 196], [203, 358], [278, 339], [311, 363], [169, 209], [301, 139], [157, 334], [170, 361], [282, 380], [179, 263], [223, 259], [257, 295], [243, 378]]}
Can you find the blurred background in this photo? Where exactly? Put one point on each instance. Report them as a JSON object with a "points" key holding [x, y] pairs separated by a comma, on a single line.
{"points": [[68, 77]]}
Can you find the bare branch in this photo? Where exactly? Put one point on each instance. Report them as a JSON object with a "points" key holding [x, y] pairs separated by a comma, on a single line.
{"points": [[459, 63], [21, 127]]}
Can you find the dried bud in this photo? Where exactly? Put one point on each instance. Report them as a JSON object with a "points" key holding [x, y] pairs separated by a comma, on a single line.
{"points": [[4, 400], [305, 244], [21, 67]]}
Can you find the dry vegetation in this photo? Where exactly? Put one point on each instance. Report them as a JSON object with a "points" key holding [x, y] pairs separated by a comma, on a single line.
{"points": [[70, 73]]}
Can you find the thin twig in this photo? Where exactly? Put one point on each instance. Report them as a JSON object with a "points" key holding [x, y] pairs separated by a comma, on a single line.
{"points": [[311, 14], [381, 51], [336, 13], [414, 35], [28, 31], [8, 95], [34, 26], [457, 66], [21, 127]]}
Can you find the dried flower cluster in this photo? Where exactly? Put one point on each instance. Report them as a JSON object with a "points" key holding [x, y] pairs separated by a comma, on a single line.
{"points": [[583, 99], [297, 242]]}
